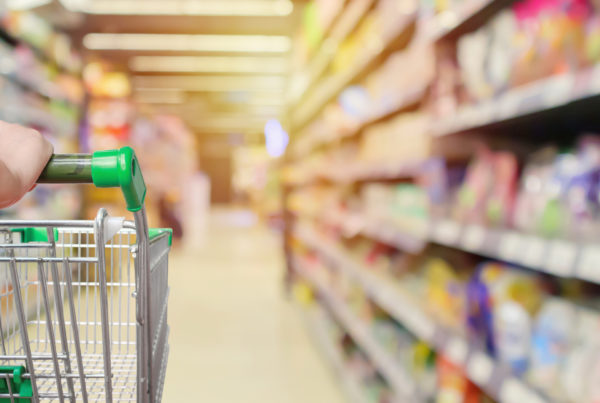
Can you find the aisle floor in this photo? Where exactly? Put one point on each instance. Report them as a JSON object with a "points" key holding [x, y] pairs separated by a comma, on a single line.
{"points": [[234, 335]]}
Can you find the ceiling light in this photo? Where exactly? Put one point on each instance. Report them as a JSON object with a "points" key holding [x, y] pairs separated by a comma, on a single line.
{"points": [[209, 64], [211, 83], [188, 43], [25, 4], [242, 8], [160, 98]]}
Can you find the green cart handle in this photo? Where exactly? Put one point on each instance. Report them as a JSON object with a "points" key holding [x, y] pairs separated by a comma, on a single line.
{"points": [[105, 169]]}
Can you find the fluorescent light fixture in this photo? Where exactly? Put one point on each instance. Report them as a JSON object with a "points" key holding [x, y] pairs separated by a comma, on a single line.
{"points": [[211, 83], [209, 64], [256, 99], [174, 98], [234, 124], [263, 98], [25, 4], [161, 90], [241, 8], [188, 43]]}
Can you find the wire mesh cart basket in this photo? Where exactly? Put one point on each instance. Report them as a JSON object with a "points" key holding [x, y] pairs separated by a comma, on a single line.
{"points": [[83, 304]]}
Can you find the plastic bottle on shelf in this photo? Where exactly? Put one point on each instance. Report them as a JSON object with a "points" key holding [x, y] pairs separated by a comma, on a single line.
{"points": [[552, 337], [512, 327]]}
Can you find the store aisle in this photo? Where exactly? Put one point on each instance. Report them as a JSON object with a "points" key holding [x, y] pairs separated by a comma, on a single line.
{"points": [[234, 337]]}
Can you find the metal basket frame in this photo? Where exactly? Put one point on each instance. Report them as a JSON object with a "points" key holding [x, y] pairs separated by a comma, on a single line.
{"points": [[73, 379]]}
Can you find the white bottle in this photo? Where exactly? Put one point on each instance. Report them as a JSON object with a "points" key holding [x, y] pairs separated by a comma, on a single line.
{"points": [[512, 329]]}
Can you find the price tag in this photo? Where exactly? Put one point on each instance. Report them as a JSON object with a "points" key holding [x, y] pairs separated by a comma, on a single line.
{"points": [[535, 248], [473, 238], [515, 391], [511, 244], [589, 265], [447, 232], [561, 258], [480, 369], [457, 350]]}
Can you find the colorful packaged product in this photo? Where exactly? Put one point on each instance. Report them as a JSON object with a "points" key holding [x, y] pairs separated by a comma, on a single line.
{"points": [[500, 203], [445, 292], [553, 335], [453, 384], [500, 303], [474, 192]]}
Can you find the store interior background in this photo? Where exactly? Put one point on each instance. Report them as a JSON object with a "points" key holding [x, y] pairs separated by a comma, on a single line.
{"points": [[372, 200]]}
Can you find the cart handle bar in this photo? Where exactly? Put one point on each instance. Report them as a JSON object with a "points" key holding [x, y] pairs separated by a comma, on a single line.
{"points": [[105, 169]]}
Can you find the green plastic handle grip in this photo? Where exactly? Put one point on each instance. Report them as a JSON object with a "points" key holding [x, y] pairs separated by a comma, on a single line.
{"points": [[105, 169]]}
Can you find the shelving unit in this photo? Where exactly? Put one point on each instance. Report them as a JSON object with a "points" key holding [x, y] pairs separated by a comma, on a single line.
{"points": [[40, 53], [558, 257], [401, 102], [333, 86], [331, 152], [542, 96], [340, 28], [395, 375], [314, 319], [493, 377], [40, 92], [467, 16]]}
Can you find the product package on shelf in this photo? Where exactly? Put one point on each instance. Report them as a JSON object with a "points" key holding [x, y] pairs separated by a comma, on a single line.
{"points": [[527, 42], [40, 88], [503, 311], [402, 139], [39, 35], [440, 205], [550, 194], [382, 93]]}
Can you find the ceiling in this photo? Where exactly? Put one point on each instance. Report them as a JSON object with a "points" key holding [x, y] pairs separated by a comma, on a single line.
{"points": [[214, 90]]}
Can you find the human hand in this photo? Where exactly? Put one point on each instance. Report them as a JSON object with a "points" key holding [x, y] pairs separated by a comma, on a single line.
{"points": [[24, 153]]}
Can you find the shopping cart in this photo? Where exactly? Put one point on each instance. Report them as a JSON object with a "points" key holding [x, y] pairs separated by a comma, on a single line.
{"points": [[83, 304]]}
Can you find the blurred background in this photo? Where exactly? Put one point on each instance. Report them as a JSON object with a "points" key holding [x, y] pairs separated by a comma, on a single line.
{"points": [[372, 200]]}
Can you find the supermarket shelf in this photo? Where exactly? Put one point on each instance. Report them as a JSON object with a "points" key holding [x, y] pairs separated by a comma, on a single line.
{"points": [[315, 323], [39, 53], [447, 24], [28, 88], [465, 17], [330, 26], [397, 377], [334, 85], [540, 96], [37, 117], [357, 172], [493, 377], [344, 24], [400, 103], [558, 257]]}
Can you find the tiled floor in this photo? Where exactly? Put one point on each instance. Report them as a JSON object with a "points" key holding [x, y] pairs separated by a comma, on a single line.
{"points": [[234, 337]]}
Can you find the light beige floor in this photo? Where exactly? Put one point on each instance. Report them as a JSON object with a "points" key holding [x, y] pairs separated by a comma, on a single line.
{"points": [[234, 337]]}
